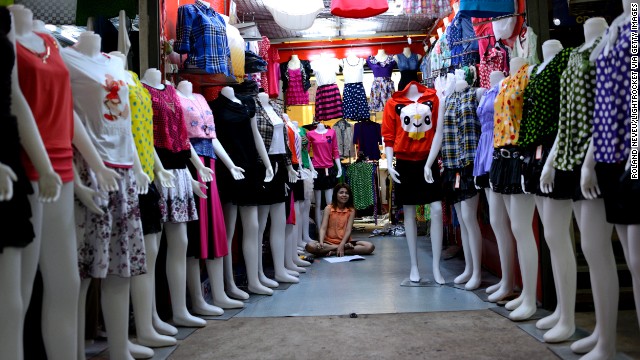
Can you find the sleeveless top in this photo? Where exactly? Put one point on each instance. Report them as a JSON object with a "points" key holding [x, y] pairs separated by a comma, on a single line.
{"points": [[485, 112], [234, 129], [337, 225], [461, 129], [353, 73], [408, 63], [508, 108], [142, 124]]}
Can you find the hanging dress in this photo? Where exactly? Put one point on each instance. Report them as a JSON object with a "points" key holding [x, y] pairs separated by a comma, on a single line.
{"points": [[355, 106], [382, 87]]}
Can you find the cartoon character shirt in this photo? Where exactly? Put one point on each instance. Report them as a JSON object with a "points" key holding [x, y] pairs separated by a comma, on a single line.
{"points": [[409, 126]]}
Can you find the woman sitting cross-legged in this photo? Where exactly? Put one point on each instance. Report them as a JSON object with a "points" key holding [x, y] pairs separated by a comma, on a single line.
{"points": [[337, 223]]}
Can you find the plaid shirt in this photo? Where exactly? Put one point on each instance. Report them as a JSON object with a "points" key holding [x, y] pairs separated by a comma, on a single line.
{"points": [[461, 129], [202, 33], [266, 128]]}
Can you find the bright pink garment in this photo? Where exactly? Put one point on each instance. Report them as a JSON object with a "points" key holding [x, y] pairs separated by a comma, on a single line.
{"points": [[263, 52], [273, 73], [198, 117], [169, 130], [324, 147], [211, 221]]}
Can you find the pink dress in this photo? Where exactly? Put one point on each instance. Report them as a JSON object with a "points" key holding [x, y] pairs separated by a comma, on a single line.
{"points": [[296, 95]]}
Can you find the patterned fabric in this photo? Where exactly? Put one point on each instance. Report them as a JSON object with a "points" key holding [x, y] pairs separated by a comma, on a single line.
{"points": [[577, 92], [355, 105], [169, 130], [484, 154], [494, 60], [111, 243], [612, 115], [304, 143], [305, 71], [361, 182], [508, 108], [461, 129], [328, 102], [433, 8], [441, 55], [263, 52], [178, 200], [381, 90], [266, 128], [295, 94], [202, 34], [198, 117], [541, 100], [142, 124], [344, 133], [381, 68]]}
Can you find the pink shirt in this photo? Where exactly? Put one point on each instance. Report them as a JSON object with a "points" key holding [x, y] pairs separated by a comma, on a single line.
{"points": [[324, 147], [198, 117]]}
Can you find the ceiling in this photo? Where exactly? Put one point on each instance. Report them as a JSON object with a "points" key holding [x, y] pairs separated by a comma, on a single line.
{"points": [[325, 23]]}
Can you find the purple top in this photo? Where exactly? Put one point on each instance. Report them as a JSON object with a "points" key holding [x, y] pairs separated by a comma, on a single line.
{"points": [[484, 154], [381, 69], [367, 135], [612, 113]]}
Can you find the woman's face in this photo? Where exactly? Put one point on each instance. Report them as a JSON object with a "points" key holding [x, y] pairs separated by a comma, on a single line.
{"points": [[343, 196]]}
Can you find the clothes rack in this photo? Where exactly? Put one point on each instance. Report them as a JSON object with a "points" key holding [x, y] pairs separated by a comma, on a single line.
{"points": [[472, 39], [499, 18], [462, 54]]}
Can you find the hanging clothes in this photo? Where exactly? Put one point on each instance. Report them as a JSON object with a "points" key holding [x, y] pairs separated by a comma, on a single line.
{"points": [[525, 45], [344, 132], [483, 8], [431, 8], [296, 82], [328, 100], [367, 135], [494, 59], [382, 87], [355, 106], [408, 67], [360, 179]]}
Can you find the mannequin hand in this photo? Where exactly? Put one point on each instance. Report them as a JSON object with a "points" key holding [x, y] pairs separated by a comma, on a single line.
{"points": [[293, 175], [546, 179], [269, 175], [142, 183], [205, 174], [394, 175], [87, 197], [49, 186], [428, 175], [475, 182], [314, 174], [589, 183], [339, 172], [166, 178], [107, 179], [197, 188], [7, 177], [237, 172]]}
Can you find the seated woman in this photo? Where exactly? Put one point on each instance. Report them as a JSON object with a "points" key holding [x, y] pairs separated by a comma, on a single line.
{"points": [[337, 223]]}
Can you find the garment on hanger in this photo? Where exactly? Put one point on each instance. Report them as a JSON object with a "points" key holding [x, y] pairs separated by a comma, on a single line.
{"points": [[367, 135], [264, 46], [441, 55], [525, 45], [382, 86], [495, 59], [344, 132], [408, 67], [461, 129], [324, 147], [460, 29], [273, 73], [485, 112], [14, 213], [201, 33], [355, 106], [359, 175]]}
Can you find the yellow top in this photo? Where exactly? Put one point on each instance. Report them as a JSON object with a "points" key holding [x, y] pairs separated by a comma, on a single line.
{"points": [[508, 108], [142, 124]]}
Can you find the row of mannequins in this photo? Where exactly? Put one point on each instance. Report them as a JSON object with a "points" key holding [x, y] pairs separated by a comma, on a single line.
{"points": [[553, 136], [128, 157], [353, 104]]}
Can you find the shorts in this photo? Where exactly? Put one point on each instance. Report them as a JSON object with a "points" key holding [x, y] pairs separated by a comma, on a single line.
{"points": [[506, 170], [298, 187], [621, 194], [326, 179], [413, 189], [150, 210], [569, 182], [243, 192], [274, 191], [466, 187]]}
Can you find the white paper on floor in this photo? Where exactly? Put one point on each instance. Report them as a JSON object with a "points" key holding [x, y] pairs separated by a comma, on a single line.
{"points": [[343, 258]]}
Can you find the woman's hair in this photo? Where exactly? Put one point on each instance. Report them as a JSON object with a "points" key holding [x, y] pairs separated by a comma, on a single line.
{"points": [[334, 197]]}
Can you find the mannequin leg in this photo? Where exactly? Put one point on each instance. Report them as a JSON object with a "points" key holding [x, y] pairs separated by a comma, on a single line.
{"points": [[176, 274], [277, 240], [251, 247], [31, 253], [500, 224], [297, 237], [142, 297], [598, 250], [304, 215], [551, 320], [318, 209], [82, 305], [436, 239], [464, 234], [115, 307], [215, 269], [161, 326], [11, 311], [230, 217], [470, 215], [520, 208], [263, 214], [411, 232], [198, 304], [289, 251], [59, 269], [630, 241], [556, 220]]}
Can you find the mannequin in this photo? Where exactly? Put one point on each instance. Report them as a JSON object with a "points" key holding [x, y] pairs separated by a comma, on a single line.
{"points": [[408, 64], [275, 210], [381, 55], [415, 92], [294, 62], [520, 208], [500, 224], [601, 344], [467, 209], [215, 267], [309, 174], [248, 211], [324, 169]]}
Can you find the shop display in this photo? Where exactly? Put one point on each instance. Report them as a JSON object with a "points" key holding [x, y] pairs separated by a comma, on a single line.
{"points": [[382, 65], [355, 105]]}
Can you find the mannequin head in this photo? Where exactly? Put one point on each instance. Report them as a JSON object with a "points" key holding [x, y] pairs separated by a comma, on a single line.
{"points": [[550, 48], [22, 18], [294, 57], [406, 51], [185, 88], [515, 64], [88, 44], [263, 97], [461, 83], [153, 78], [593, 28], [495, 77]]}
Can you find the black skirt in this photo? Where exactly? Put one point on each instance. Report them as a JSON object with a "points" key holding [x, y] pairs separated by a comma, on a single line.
{"points": [[506, 170], [482, 181], [621, 194], [243, 192], [150, 214], [413, 189], [457, 190], [326, 178], [298, 187], [274, 191]]}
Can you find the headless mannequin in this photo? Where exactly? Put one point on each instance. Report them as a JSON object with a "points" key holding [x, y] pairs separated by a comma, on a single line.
{"points": [[436, 206], [381, 55], [294, 62], [249, 215], [500, 224], [321, 129], [467, 211], [305, 206], [597, 248], [114, 289], [278, 218], [215, 267], [177, 240], [520, 208], [406, 52]]}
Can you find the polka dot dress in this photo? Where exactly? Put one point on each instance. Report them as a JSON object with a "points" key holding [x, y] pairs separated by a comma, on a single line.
{"points": [[142, 124], [355, 102], [541, 100], [508, 108], [577, 93], [612, 114]]}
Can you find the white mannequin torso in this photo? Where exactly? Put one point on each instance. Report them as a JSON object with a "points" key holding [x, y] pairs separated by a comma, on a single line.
{"points": [[24, 31], [320, 129], [549, 50], [273, 116], [593, 28], [294, 63], [413, 93], [89, 45], [381, 55], [185, 89], [495, 77], [228, 92], [122, 57], [153, 78]]}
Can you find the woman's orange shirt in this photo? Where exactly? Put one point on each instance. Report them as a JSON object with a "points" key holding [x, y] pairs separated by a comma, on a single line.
{"points": [[337, 226]]}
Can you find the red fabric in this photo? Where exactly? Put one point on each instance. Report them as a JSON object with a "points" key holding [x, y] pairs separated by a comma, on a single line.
{"points": [[292, 145], [169, 129], [358, 9], [273, 73], [263, 47], [495, 60]]}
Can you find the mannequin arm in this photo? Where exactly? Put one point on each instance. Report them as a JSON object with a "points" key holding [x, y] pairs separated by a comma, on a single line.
{"points": [[236, 172], [388, 152], [107, 178], [49, 183], [7, 177], [314, 173], [165, 177], [588, 179], [337, 162], [292, 174], [262, 150], [436, 144], [197, 187], [142, 179], [548, 171], [204, 172], [86, 195]]}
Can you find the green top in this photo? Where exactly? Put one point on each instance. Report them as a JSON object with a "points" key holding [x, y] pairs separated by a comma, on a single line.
{"points": [[361, 181], [305, 148]]}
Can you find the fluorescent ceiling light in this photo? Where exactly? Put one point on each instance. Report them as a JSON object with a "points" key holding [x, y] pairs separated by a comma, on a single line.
{"points": [[364, 32]]}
